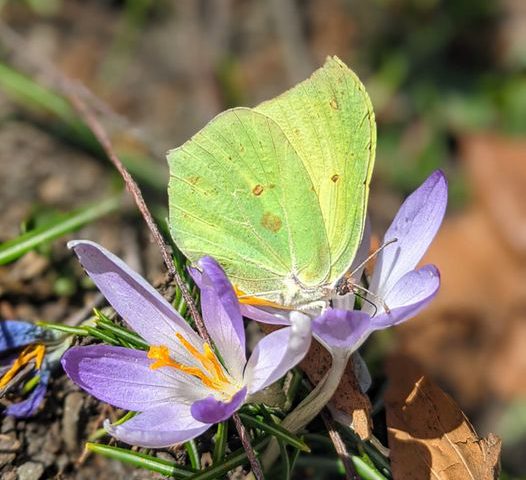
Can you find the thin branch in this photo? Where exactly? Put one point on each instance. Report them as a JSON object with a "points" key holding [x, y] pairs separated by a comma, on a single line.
{"points": [[97, 129], [251, 455], [339, 446]]}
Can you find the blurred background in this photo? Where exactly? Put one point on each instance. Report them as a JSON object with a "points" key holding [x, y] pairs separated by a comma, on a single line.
{"points": [[448, 83]]}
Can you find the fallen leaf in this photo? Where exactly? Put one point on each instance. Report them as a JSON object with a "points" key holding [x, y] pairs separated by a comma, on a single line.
{"points": [[429, 436]]}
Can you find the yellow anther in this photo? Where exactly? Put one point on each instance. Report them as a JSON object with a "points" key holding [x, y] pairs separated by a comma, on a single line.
{"points": [[31, 352], [162, 359], [211, 356], [212, 373]]}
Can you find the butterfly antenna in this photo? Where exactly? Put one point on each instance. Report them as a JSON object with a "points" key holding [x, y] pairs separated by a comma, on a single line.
{"points": [[372, 255]]}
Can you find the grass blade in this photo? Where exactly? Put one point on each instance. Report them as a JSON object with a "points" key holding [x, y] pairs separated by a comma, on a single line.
{"points": [[141, 460], [15, 248], [81, 331], [220, 440], [120, 333], [365, 471], [193, 454]]}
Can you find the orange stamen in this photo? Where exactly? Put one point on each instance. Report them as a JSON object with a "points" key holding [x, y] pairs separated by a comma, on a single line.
{"points": [[208, 359], [162, 359], [31, 352]]}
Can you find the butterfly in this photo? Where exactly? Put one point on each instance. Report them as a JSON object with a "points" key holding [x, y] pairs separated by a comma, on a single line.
{"points": [[277, 194]]}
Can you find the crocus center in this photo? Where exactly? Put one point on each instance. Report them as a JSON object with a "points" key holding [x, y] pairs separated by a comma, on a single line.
{"points": [[31, 352], [211, 372]]}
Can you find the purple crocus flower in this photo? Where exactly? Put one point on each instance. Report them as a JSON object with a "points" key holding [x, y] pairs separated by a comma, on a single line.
{"points": [[180, 386]]}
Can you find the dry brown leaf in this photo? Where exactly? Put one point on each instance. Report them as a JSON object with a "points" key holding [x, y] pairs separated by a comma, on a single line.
{"points": [[429, 436]]}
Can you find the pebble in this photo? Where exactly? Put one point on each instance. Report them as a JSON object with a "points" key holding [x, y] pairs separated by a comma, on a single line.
{"points": [[30, 471]]}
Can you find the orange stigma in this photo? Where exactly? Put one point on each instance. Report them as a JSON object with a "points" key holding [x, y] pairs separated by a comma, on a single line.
{"points": [[31, 352], [211, 374]]}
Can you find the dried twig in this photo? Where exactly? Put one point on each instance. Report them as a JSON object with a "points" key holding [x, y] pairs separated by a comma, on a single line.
{"points": [[245, 440], [339, 446], [95, 126]]}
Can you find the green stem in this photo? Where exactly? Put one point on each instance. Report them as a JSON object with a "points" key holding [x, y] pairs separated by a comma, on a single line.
{"points": [[220, 439], [311, 406], [193, 454]]}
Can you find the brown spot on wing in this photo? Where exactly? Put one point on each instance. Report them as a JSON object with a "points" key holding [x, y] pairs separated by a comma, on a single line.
{"points": [[257, 190], [334, 104], [271, 222], [335, 177]]}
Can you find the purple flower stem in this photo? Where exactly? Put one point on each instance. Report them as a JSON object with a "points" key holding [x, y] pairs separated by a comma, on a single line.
{"points": [[311, 405]]}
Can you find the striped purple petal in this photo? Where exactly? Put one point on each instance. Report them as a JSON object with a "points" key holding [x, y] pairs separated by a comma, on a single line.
{"points": [[122, 377], [414, 227]]}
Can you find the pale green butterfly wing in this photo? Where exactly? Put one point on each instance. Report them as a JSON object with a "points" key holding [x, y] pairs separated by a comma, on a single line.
{"points": [[240, 193], [330, 122]]}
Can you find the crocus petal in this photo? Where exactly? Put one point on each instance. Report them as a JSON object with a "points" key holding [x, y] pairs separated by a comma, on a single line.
{"points": [[17, 333], [122, 377], [341, 330], [221, 314], [414, 227], [211, 410], [409, 296], [272, 316], [29, 406], [136, 301], [278, 352], [159, 427]]}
